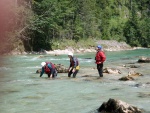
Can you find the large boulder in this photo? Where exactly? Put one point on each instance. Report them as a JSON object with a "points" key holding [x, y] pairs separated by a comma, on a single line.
{"points": [[59, 67], [117, 106], [144, 60]]}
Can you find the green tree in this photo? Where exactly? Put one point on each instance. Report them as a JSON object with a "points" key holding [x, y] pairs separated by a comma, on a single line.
{"points": [[81, 19]]}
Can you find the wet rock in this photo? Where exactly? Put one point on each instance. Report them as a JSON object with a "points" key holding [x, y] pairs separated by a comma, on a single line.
{"points": [[144, 95], [148, 83], [130, 76], [60, 69], [38, 71], [126, 78], [87, 76], [115, 89], [111, 71], [137, 85], [144, 85], [134, 66], [117, 106], [133, 73], [131, 66], [144, 60]]}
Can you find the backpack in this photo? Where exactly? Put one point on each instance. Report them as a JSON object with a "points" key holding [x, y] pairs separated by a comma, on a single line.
{"points": [[76, 60], [53, 66]]}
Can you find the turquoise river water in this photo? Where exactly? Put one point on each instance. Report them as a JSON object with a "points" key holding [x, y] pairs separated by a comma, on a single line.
{"points": [[23, 91]]}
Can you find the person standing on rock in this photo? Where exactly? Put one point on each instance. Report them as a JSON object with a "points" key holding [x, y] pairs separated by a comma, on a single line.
{"points": [[49, 69], [99, 60], [74, 65]]}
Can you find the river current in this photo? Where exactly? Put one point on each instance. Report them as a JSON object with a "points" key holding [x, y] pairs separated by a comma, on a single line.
{"points": [[23, 91]]}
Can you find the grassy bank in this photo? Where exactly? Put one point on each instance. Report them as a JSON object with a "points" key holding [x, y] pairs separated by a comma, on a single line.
{"points": [[90, 43], [63, 44]]}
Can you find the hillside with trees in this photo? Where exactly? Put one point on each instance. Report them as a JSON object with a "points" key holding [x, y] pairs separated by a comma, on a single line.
{"points": [[43, 24]]}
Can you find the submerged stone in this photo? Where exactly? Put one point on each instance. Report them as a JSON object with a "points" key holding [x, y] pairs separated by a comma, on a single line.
{"points": [[126, 78], [134, 66], [144, 95], [87, 76]]}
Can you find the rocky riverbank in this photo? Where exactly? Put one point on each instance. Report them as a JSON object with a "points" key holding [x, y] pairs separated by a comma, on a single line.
{"points": [[108, 45]]}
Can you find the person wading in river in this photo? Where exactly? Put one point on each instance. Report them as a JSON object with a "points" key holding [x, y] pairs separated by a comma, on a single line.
{"points": [[49, 69], [74, 65], [100, 58]]}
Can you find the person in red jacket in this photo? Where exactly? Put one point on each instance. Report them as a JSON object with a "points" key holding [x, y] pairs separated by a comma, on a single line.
{"points": [[48, 68], [100, 58]]}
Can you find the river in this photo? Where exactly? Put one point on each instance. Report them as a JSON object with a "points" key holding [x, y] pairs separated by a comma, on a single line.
{"points": [[23, 91]]}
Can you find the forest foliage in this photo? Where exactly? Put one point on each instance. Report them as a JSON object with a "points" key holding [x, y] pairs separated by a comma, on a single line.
{"points": [[45, 22]]}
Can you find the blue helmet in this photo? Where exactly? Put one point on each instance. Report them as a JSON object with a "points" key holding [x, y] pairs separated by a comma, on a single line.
{"points": [[99, 47]]}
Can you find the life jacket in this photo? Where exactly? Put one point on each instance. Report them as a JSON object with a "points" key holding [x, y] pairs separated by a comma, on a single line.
{"points": [[76, 61], [46, 68], [100, 56]]}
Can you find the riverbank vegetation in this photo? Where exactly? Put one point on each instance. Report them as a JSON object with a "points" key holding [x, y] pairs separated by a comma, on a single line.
{"points": [[55, 24]]}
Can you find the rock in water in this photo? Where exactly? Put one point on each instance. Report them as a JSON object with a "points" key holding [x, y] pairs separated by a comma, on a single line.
{"points": [[61, 68], [117, 106], [144, 60], [38, 71], [130, 76], [126, 78], [111, 71], [133, 73]]}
